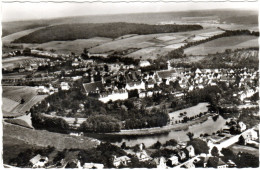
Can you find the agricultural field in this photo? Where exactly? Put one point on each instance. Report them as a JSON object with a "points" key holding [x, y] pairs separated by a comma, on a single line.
{"points": [[19, 99], [188, 59], [221, 44], [14, 62], [66, 47], [149, 45], [146, 53]]}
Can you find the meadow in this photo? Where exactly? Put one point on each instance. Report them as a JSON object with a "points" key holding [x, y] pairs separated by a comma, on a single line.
{"points": [[66, 47], [221, 44], [43, 138]]}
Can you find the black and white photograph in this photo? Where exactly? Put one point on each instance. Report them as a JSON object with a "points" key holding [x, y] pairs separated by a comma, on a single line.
{"points": [[116, 84]]}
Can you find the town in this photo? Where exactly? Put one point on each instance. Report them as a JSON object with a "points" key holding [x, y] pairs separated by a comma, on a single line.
{"points": [[178, 107]]}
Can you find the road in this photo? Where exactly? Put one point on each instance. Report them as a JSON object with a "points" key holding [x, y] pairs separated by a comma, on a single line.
{"points": [[223, 144]]}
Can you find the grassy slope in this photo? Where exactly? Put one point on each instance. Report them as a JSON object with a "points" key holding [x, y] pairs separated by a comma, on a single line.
{"points": [[221, 44], [13, 146], [44, 138]]}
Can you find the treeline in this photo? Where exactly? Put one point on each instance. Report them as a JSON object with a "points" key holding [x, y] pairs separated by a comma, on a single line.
{"points": [[66, 32], [112, 58], [100, 124], [147, 120], [101, 117], [227, 33], [52, 124]]}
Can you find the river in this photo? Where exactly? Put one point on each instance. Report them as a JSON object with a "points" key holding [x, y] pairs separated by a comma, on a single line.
{"points": [[209, 126]]}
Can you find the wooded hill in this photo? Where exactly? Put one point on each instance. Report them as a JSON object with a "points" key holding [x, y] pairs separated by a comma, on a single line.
{"points": [[66, 32]]}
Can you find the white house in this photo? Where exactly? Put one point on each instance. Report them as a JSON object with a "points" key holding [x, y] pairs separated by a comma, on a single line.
{"points": [[250, 135], [242, 126], [142, 95], [174, 160], [64, 86], [144, 63], [135, 85], [93, 166], [39, 161], [117, 95], [122, 160], [161, 163], [191, 151], [142, 156]]}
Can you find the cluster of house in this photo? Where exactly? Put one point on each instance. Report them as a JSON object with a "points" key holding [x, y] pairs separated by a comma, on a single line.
{"points": [[183, 156], [44, 53], [148, 83]]}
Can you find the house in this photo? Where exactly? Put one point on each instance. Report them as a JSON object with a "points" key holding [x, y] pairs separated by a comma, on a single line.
{"points": [[142, 95], [249, 136], [93, 87], [189, 165], [64, 86], [76, 78], [198, 71], [150, 83], [39, 161], [122, 160], [231, 164], [73, 163], [242, 126], [144, 63], [216, 162], [169, 75], [160, 162], [142, 156], [93, 166], [42, 90], [131, 85], [173, 160], [120, 94], [191, 151], [181, 154]]}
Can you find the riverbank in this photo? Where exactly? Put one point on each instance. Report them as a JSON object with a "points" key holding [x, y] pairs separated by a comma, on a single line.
{"points": [[159, 130]]}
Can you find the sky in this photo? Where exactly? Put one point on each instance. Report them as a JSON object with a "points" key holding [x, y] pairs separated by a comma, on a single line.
{"points": [[17, 11]]}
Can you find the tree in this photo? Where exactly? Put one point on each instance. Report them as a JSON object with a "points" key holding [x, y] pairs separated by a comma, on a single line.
{"points": [[246, 160], [213, 162], [123, 146], [199, 145], [27, 51], [190, 135], [157, 145], [241, 140], [171, 142], [75, 121], [228, 154], [214, 151]]}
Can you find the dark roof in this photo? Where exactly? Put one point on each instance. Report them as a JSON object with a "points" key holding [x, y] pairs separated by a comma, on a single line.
{"points": [[166, 74], [91, 87]]}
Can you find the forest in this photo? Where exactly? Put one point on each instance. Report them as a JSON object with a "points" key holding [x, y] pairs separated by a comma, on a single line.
{"points": [[67, 32]]}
